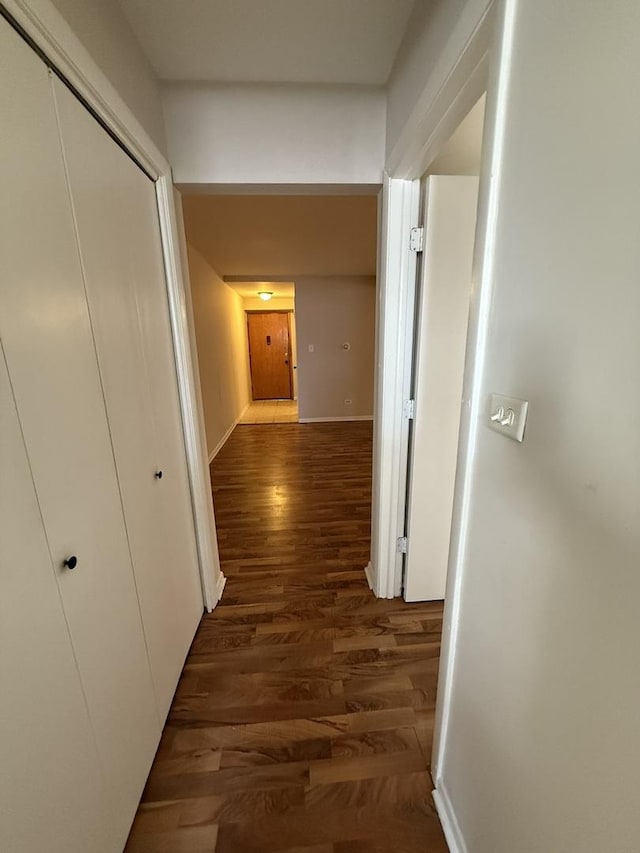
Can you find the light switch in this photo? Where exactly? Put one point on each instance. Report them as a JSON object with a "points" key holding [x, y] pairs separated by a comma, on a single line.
{"points": [[311, 347], [508, 416]]}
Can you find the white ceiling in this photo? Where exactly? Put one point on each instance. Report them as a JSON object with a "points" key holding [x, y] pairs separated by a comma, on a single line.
{"points": [[270, 41]]}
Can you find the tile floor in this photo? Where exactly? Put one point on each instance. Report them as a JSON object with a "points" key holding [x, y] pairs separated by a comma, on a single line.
{"points": [[271, 412]]}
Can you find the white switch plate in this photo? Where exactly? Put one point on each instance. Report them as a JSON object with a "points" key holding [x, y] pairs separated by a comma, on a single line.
{"points": [[311, 348], [508, 416]]}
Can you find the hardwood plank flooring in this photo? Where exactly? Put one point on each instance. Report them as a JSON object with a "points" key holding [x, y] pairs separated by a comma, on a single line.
{"points": [[304, 716]]}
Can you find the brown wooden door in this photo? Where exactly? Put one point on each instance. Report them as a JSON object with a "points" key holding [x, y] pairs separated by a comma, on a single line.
{"points": [[269, 355]]}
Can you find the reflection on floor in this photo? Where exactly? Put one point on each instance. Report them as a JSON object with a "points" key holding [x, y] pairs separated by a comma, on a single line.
{"points": [[304, 716], [271, 412]]}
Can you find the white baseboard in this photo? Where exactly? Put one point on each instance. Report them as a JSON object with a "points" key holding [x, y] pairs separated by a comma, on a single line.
{"points": [[331, 420], [220, 585], [224, 438], [368, 573], [450, 825]]}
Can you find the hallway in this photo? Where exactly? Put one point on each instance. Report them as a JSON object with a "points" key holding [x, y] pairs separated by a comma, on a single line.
{"points": [[304, 715]]}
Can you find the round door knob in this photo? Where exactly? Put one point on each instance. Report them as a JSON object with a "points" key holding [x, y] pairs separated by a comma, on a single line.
{"points": [[158, 475], [71, 562]]}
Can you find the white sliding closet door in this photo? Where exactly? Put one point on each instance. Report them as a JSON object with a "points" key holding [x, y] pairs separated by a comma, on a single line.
{"points": [[50, 355], [119, 237], [51, 789], [450, 203]]}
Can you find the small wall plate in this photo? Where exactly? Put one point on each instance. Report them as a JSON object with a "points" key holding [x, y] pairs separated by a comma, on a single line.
{"points": [[508, 416]]}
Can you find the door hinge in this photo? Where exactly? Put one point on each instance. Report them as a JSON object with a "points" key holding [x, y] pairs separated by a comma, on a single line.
{"points": [[409, 409], [416, 239], [401, 545]]}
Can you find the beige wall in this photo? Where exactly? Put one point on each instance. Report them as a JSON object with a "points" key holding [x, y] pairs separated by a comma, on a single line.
{"points": [[220, 323], [105, 32], [265, 237], [330, 312]]}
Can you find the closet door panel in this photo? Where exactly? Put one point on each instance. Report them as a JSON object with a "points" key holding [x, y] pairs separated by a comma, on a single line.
{"points": [[183, 589], [51, 787], [116, 216], [50, 354]]}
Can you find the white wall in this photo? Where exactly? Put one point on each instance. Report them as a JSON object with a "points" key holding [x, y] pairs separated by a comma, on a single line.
{"points": [[105, 32], [330, 312], [543, 745], [221, 334], [275, 134]]}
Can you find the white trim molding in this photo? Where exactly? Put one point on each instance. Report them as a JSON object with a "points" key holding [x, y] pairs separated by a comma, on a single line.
{"points": [[222, 581], [201, 497], [41, 22], [368, 573], [394, 340], [450, 825], [332, 420]]}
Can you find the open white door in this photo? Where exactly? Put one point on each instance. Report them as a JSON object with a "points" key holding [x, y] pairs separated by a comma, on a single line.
{"points": [[441, 331]]}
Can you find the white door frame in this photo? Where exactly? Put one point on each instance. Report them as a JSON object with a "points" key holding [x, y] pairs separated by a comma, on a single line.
{"points": [[450, 93], [51, 35], [394, 318]]}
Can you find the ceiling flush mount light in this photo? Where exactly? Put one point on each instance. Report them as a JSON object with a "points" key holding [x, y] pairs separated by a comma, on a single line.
{"points": [[265, 295]]}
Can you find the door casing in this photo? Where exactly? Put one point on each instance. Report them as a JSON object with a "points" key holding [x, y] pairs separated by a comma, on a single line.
{"points": [[442, 303], [474, 65]]}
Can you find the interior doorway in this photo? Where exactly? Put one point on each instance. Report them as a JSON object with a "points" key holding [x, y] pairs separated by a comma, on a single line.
{"points": [[448, 208], [270, 366], [305, 270]]}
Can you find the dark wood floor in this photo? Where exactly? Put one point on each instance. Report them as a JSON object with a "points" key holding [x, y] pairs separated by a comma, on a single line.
{"points": [[304, 716]]}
